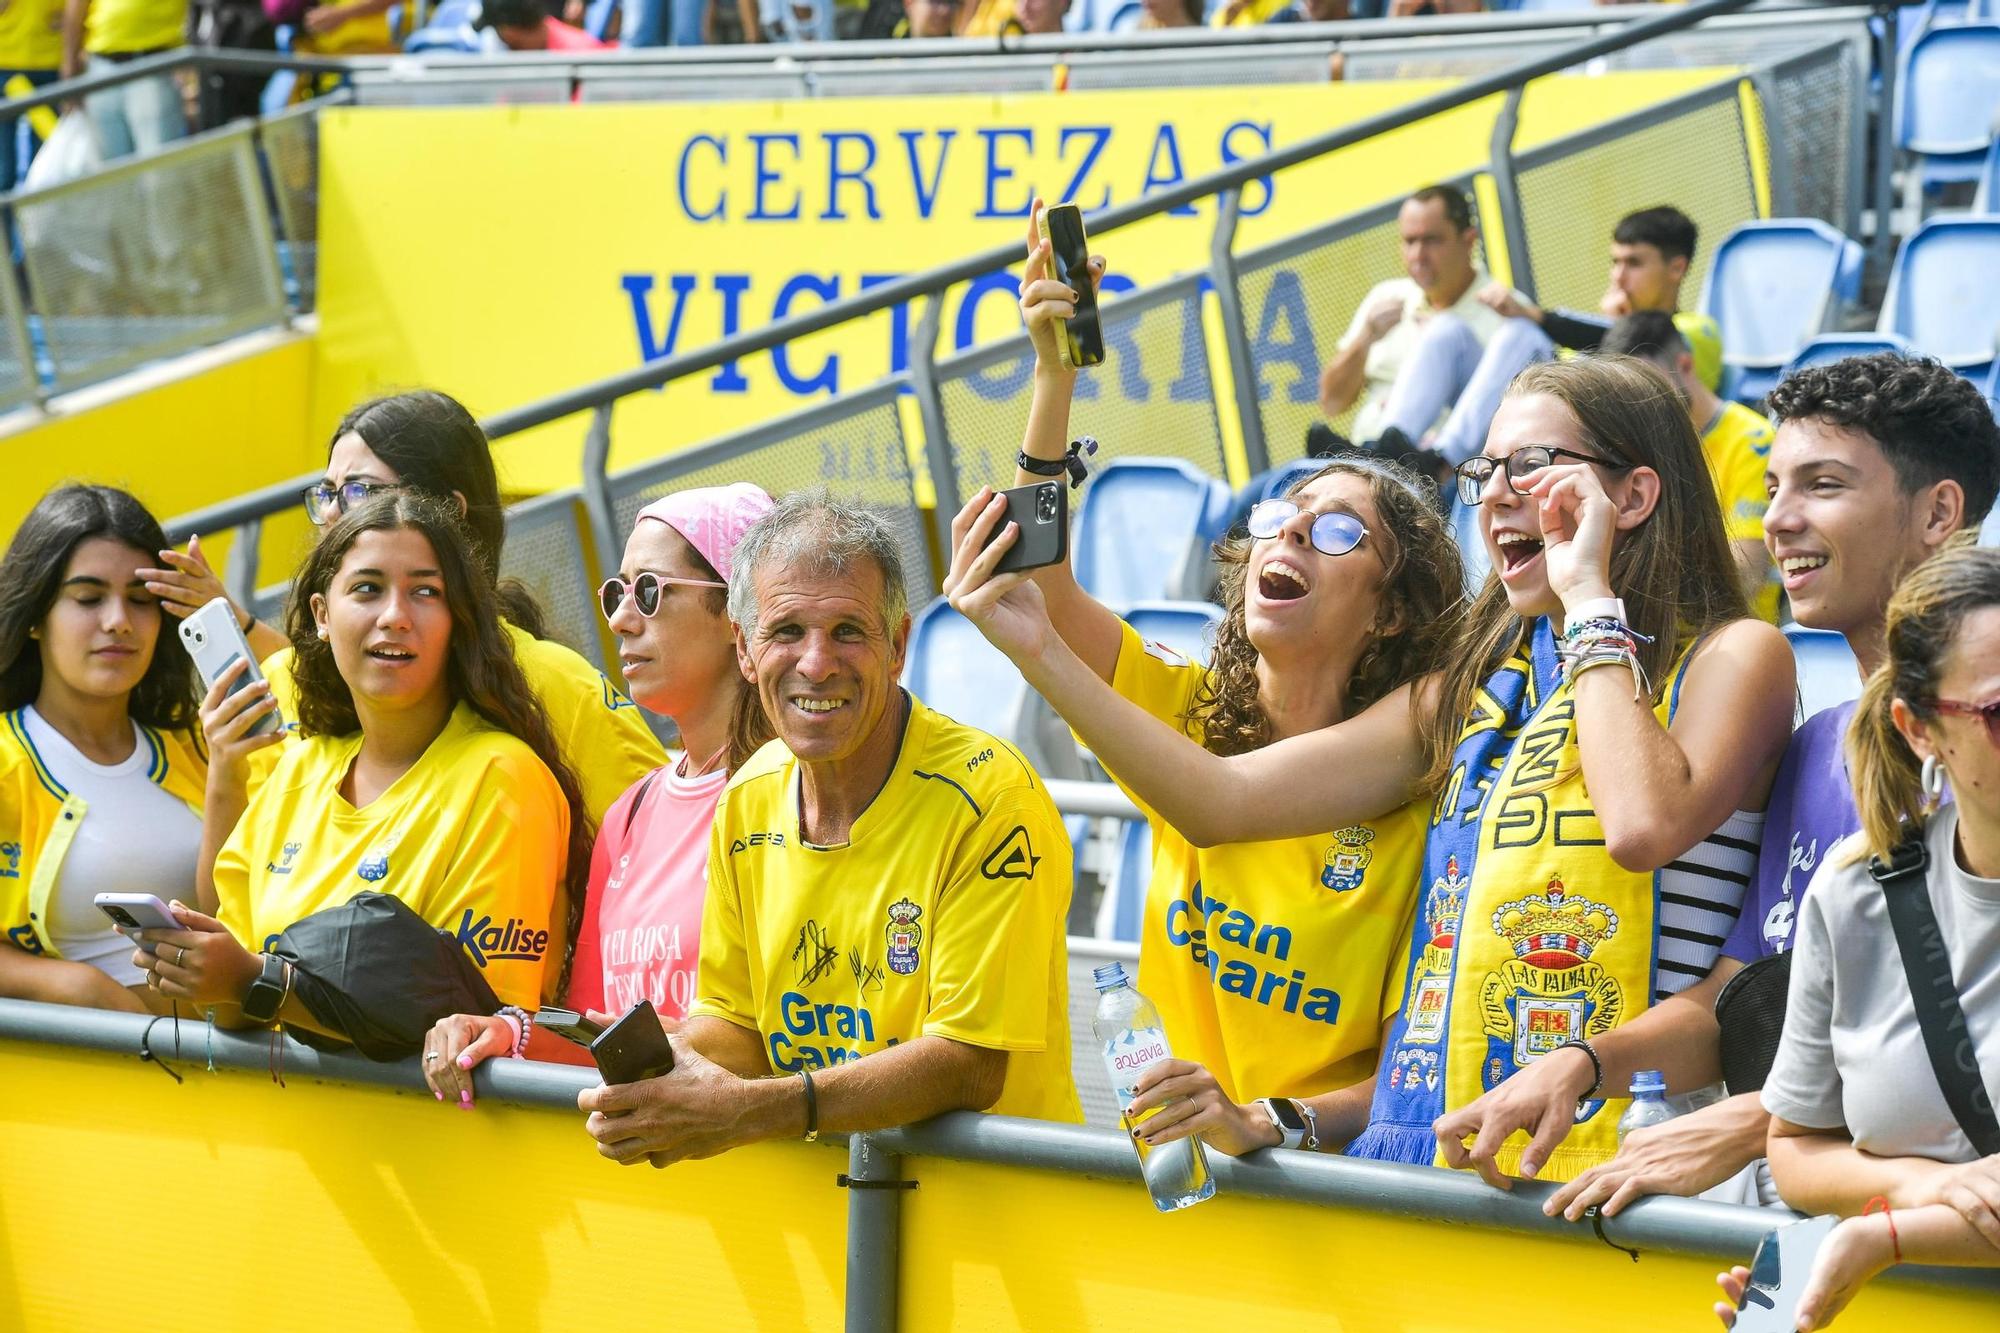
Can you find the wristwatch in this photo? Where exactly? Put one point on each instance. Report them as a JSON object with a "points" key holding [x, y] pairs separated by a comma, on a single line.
{"points": [[1297, 1126], [1598, 608], [267, 993]]}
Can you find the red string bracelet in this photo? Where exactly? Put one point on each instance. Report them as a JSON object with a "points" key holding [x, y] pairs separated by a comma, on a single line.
{"points": [[1889, 1216]]}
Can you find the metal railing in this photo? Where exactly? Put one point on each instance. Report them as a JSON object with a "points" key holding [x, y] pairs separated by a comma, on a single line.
{"points": [[877, 1160]]}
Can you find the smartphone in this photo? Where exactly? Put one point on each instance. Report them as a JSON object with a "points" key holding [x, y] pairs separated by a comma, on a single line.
{"points": [[1061, 226], [569, 1025], [136, 911], [1778, 1276], [634, 1048], [216, 643], [1042, 510]]}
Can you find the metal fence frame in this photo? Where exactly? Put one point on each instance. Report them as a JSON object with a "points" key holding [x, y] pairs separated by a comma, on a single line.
{"points": [[875, 1159]]}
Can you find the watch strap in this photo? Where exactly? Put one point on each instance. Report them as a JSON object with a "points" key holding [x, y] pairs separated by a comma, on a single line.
{"points": [[1598, 608], [267, 993], [1291, 1133]]}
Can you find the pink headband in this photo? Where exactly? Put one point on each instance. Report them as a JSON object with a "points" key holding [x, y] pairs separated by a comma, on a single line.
{"points": [[713, 518]]}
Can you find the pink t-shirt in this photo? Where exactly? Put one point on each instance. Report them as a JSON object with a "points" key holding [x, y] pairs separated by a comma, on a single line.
{"points": [[641, 931]]}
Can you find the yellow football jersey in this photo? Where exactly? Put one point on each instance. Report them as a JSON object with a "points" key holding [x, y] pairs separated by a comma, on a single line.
{"points": [[1704, 339], [1274, 964], [31, 34], [602, 733], [472, 838], [942, 915], [1738, 448]]}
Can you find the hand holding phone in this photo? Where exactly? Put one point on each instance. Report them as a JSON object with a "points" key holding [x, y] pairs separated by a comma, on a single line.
{"points": [[1042, 511], [1779, 1275], [1061, 229], [131, 912], [569, 1025], [633, 1049], [216, 643]]}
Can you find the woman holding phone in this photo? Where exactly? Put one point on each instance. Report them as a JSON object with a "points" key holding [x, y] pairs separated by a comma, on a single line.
{"points": [[425, 769], [641, 927], [1345, 590], [1604, 726], [98, 749], [426, 442]]}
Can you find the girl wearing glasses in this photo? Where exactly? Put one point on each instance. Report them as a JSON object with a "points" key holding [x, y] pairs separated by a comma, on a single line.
{"points": [[1596, 737], [1859, 1116], [641, 924], [99, 750], [1269, 959], [424, 442]]}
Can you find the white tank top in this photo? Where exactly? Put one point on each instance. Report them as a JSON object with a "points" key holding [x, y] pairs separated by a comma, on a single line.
{"points": [[134, 838]]}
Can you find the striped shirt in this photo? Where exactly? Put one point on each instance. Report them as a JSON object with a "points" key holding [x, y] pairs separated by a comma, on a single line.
{"points": [[1701, 892]]}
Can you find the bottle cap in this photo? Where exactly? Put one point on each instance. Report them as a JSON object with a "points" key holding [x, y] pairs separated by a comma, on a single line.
{"points": [[1109, 977], [1648, 1080]]}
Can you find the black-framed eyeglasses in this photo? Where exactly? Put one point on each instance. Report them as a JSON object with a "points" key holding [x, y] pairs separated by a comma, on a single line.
{"points": [[1335, 532], [1989, 713], [1521, 464], [325, 502], [645, 592]]}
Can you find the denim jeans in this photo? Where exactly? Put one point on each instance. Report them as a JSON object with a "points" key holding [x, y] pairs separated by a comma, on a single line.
{"points": [[18, 139], [663, 22], [135, 117]]}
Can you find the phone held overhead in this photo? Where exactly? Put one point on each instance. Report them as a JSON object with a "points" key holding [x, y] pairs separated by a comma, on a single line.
{"points": [[1082, 341]]}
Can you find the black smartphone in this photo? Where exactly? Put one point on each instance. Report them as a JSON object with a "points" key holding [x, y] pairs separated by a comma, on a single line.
{"points": [[1082, 343], [569, 1025], [1042, 510], [633, 1049]]}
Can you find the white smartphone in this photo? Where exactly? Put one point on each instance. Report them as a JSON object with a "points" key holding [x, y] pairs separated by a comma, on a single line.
{"points": [[1778, 1276], [136, 911], [216, 643]]}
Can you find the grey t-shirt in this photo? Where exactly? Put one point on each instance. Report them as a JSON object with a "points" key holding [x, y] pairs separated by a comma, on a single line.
{"points": [[1852, 1055]]}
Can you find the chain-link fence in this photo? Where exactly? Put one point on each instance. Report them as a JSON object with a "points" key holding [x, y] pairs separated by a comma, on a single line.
{"points": [[291, 159], [18, 380], [1154, 395], [853, 446], [1816, 119], [548, 550], [1691, 152], [150, 258]]}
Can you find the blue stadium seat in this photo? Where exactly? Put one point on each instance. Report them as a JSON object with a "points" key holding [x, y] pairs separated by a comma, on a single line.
{"points": [[1772, 286], [1941, 296], [1831, 347], [1987, 198], [1827, 672], [951, 667], [1186, 627], [1271, 484], [1123, 909], [1143, 530], [597, 16], [1947, 91]]}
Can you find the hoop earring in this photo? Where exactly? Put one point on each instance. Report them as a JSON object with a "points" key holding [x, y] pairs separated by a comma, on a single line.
{"points": [[1931, 778]]}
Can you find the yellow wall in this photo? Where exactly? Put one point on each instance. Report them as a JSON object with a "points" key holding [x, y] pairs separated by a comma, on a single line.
{"points": [[226, 1202]]}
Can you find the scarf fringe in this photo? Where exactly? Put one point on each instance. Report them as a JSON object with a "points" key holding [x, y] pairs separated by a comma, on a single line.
{"points": [[1385, 1141]]}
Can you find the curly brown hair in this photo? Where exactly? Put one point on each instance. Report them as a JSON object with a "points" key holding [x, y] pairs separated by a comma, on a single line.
{"points": [[1423, 589], [480, 667]]}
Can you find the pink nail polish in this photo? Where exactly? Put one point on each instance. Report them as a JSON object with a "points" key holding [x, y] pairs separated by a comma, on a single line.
{"points": [[439, 1095], [465, 1062], [465, 1098]]}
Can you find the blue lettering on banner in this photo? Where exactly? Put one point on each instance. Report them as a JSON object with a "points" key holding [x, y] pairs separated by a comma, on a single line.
{"points": [[835, 174], [1285, 309], [899, 325], [728, 376], [995, 174], [639, 289], [1169, 142], [997, 383], [512, 941], [828, 377], [681, 179], [826, 1022], [926, 192], [1191, 923], [1230, 157], [1099, 135], [766, 175], [1192, 384]]}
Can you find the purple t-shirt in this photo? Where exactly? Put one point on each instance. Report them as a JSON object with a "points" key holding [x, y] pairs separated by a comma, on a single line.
{"points": [[1812, 808]]}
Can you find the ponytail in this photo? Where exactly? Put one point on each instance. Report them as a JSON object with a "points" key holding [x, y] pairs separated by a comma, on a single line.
{"points": [[1888, 791]]}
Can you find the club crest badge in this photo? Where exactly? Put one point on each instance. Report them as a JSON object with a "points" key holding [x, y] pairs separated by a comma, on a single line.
{"points": [[1347, 860], [374, 866], [1414, 1069], [905, 935], [1430, 981], [1551, 991]]}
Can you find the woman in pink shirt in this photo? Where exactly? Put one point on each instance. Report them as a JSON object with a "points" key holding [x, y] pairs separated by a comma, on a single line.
{"points": [[648, 872]]}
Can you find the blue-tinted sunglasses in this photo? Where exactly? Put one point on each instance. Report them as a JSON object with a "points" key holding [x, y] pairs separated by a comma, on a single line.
{"points": [[1333, 533]]}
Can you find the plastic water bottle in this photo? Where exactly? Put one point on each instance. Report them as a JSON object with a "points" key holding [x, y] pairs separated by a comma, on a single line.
{"points": [[1649, 1103], [1129, 1030]]}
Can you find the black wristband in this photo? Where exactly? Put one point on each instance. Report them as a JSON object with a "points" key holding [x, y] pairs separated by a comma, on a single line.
{"points": [[1596, 1067], [1072, 462], [1041, 467], [248, 620], [812, 1107]]}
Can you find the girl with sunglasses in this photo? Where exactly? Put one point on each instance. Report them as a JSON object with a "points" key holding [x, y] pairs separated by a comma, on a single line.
{"points": [[1267, 958], [1861, 1125], [427, 443], [1598, 735], [641, 925]]}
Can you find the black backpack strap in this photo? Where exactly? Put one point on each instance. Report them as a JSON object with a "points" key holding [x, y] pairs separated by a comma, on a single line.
{"points": [[632, 810], [1927, 962]]}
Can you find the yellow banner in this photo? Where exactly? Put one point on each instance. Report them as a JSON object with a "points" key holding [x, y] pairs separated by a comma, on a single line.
{"points": [[508, 253]]}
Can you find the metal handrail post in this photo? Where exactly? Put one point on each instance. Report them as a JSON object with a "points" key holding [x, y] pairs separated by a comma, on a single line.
{"points": [[240, 579], [1513, 224], [1236, 333], [1880, 251], [875, 1188], [597, 506], [930, 410]]}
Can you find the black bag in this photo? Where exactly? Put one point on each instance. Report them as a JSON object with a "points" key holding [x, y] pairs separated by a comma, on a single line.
{"points": [[376, 971], [1927, 963], [1750, 1010]]}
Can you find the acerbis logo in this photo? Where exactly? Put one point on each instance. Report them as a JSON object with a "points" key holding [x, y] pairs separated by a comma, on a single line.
{"points": [[757, 840], [509, 942]]}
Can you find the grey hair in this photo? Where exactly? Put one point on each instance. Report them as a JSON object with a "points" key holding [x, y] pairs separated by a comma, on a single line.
{"points": [[825, 536]]}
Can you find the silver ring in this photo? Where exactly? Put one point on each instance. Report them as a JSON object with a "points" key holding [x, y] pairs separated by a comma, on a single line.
{"points": [[430, 1056], [181, 959]]}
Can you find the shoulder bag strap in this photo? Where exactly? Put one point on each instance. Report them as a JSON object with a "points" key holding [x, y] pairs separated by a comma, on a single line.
{"points": [[632, 810], [1927, 962]]}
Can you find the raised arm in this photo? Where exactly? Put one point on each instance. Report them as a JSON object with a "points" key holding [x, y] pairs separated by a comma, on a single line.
{"points": [[1340, 383], [1355, 770]]}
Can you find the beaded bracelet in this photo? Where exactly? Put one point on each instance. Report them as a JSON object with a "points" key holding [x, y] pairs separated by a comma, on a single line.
{"points": [[523, 1023]]}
